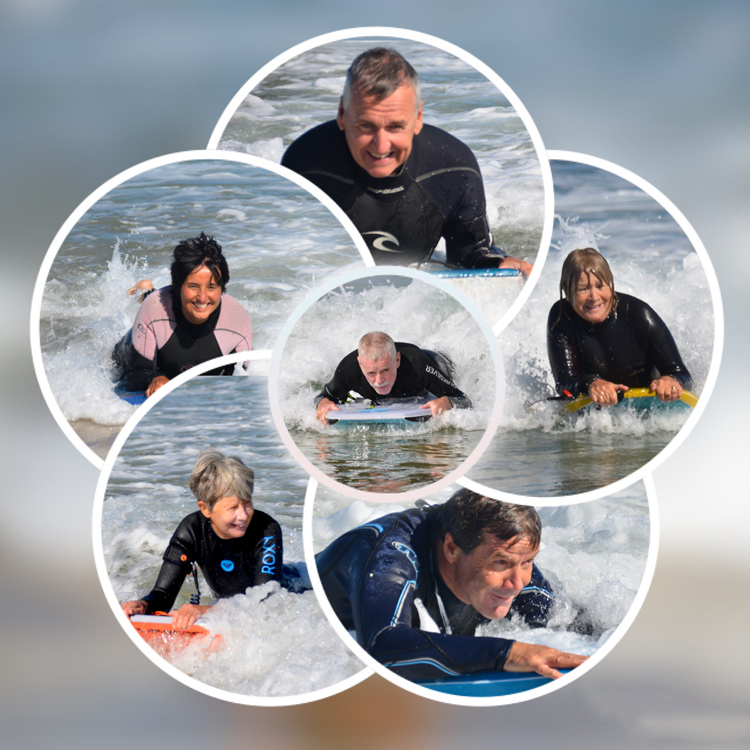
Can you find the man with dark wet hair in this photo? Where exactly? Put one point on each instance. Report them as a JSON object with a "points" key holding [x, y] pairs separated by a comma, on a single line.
{"points": [[413, 585], [403, 184]]}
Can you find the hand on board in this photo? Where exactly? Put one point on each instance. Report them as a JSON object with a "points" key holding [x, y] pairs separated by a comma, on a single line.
{"points": [[137, 607], [604, 393], [186, 615], [155, 384], [546, 661], [324, 406], [666, 388], [438, 406], [520, 265]]}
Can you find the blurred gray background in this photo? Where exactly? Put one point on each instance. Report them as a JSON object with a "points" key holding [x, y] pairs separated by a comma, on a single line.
{"points": [[90, 88]]}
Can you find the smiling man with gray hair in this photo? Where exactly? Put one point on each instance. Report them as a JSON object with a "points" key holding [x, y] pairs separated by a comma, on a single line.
{"points": [[403, 184]]}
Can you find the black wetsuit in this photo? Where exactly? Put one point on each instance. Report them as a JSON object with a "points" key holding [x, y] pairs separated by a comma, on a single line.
{"points": [[438, 192], [632, 346], [163, 342], [230, 566], [417, 375], [383, 583]]}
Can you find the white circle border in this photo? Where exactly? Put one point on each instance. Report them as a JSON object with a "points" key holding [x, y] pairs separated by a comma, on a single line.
{"points": [[467, 57], [314, 296], [109, 593], [100, 192], [713, 371], [500, 700]]}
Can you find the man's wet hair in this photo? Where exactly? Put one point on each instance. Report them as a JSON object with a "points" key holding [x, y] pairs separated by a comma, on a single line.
{"points": [[376, 345], [467, 515], [194, 253], [379, 72]]}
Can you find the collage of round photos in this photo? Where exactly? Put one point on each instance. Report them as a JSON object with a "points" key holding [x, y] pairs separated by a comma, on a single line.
{"points": [[375, 383]]}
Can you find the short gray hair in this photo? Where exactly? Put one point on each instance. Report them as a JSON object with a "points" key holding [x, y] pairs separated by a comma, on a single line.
{"points": [[376, 345], [379, 72], [215, 476]]}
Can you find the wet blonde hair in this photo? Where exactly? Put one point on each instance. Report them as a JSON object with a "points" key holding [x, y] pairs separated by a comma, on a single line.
{"points": [[215, 476], [588, 261]]}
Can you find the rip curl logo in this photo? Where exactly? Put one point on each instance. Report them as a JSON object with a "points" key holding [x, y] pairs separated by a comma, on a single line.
{"points": [[269, 556], [227, 565], [382, 238]]}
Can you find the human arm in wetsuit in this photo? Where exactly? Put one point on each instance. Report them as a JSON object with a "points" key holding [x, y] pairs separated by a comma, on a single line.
{"points": [[418, 374], [136, 353], [639, 333], [449, 174], [469, 245], [373, 590], [433, 379], [230, 567]]}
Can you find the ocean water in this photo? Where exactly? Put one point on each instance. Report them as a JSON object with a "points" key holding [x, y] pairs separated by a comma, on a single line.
{"points": [[276, 643], [385, 458], [305, 91], [279, 242], [549, 453], [597, 552]]}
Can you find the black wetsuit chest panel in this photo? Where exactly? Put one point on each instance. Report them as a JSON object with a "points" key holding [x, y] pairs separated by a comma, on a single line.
{"points": [[438, 192], [632, 346], [417, 375], [189, 345], [230, 566]]}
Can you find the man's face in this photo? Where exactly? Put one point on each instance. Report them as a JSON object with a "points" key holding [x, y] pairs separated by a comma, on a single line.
{"points": [[492, 575], [380, 373], [380, 133]]}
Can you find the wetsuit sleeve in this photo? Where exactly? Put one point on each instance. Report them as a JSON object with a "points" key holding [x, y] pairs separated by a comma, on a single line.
{"points": [[269, 552], [469, 245], [661, 348], [467, 234], [536, 601], [563, 356], [136, 353], [344, 379], [177, 563], [137, 370], [372, 590], [433, 379]]}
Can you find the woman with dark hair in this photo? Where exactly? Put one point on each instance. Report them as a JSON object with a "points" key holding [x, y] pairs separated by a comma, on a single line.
{"points": [[181, 325], [600, 342]]}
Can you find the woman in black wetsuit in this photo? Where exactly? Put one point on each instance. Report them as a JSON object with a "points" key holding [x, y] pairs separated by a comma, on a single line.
{"points": [[189, 322], [600, 342], [234, 545]]}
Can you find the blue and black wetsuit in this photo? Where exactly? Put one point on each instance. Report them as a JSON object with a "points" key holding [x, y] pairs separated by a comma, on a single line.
{"points": [[382, 581], [230, 566], [438, 192], [419, 374], [632, 346]]}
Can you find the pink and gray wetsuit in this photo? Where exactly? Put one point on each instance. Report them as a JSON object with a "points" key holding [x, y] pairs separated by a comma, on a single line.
{"points": [[163, 342]]}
